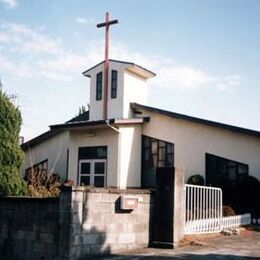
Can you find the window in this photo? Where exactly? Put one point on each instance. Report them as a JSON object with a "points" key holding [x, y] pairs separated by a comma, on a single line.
{"points": [[92, 172], [41, 167], [221, 172], [155, 154], [93, 152], [99, 86], [114, 84], [92, 166]]}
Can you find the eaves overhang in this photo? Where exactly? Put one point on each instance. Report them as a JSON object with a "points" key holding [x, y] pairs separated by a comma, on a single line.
{"points": [[137, 107], [95, 124], [137, 69]]}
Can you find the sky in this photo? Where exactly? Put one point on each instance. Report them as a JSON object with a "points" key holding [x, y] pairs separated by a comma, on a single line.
{"points": [[205, 54]]}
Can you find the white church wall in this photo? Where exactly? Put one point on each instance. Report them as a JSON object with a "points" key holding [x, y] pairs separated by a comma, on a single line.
{"points": [[130, 156], [54, 150], [135, 90], [96, 106], [103, 137], [193, 140], [115, 105], [130, 88]]}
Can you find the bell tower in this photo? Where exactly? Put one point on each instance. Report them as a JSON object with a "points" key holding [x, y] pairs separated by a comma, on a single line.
{"points": [[127, 83], [115, 84]]}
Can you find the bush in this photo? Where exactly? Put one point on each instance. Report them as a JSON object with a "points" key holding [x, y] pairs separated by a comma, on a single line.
{"points": [[196, 179], [11, 155], [41, 184], [228, 211]]}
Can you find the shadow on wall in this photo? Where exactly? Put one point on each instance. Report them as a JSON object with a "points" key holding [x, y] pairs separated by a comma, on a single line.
{"points": [[45, 229], [85, 238]]}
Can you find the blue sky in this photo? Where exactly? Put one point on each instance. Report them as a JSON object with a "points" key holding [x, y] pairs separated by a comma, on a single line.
{"points": [[205, 54]]}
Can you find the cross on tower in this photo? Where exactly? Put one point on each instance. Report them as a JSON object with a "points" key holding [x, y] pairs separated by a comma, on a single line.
{"points": [[106, 24]]}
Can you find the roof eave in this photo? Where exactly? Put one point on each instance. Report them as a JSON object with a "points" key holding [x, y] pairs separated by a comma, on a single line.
{"points": [[146, 72], [197, 120]]}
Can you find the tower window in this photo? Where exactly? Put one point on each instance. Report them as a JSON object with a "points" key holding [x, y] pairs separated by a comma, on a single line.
{"points": [[99, 86], [114, 84]]}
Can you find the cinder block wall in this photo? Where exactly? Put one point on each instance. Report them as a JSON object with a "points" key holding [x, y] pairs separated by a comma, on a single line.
{"points": [[29, 228], [80, 223], [99, 226]]}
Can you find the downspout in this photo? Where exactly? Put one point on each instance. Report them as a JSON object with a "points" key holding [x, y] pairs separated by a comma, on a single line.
{"points": [[119, 153]]}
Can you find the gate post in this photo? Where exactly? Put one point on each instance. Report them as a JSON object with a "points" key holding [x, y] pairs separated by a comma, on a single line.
{"points": [[178, 206]]}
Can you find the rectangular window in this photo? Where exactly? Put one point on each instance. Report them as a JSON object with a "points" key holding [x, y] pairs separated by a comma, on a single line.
{"points": [[155, 154], [92, 172], [99, 86], [92, 166], [114, 84]]}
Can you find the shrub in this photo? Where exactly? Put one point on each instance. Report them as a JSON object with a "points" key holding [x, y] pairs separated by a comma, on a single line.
{"points": [[11, 155], [228, 211], [41, 184], [196, 179]]}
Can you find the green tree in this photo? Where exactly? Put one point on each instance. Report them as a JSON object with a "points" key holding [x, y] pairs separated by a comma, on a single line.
{"points": [[11, 155], [82, 110]]}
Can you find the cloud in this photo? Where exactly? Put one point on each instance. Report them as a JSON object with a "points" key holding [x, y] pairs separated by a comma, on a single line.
{"points": [[187, 77], [183, 76], [9, 3], [38, 55], [82, 20], [172, 74], [28, 40]]}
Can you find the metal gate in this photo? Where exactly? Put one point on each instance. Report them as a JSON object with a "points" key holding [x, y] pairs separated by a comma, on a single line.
{"points": [[203, 209]]}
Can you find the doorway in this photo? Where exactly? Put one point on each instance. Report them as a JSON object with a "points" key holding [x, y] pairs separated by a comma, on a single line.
{"points": [[162, 222], [92, 172]]}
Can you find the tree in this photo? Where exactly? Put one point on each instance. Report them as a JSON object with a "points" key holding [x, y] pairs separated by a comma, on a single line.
{"points": [[82, 110], [11, 155]]}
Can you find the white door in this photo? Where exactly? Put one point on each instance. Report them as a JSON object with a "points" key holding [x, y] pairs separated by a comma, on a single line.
{"points": [[92, 172]]}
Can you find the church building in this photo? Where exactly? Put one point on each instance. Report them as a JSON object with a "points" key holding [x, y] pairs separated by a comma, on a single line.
{"points": [[123, 142]]}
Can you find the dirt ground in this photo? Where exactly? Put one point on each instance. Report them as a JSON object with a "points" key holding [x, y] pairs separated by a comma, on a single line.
{"points": [[245, 245]]}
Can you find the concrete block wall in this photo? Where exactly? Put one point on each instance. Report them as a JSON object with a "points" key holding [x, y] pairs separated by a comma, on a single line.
{"points": [[99, 226], [80, 223], [29, 228]]}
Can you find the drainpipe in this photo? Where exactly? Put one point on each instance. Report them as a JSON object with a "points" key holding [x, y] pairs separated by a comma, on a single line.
{"points": [[119, 153]]}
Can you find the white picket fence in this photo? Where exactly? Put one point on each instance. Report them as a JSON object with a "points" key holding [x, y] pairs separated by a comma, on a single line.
{"points": [[204, 211], [235, 221]]}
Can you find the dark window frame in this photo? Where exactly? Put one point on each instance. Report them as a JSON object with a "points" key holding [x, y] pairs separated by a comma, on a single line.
{"points": [[99, 83], [156, 153], [114, 80], [91, 153], [162, 147], [42, 165], [222, 169]]}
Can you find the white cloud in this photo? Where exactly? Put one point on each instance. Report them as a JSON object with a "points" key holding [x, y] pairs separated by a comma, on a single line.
{"points": [[4, 38], [183, 77], [9, 3], [28, 40], [88, 20], [173, 75], [186, 77], [81, 20], [6, 64], [43, 56]]}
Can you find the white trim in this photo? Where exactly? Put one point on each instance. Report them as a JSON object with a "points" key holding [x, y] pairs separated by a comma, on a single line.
{"points": [[92, 173]]}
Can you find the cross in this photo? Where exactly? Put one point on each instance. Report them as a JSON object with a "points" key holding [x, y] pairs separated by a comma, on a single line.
{"points": [[106, 24]]}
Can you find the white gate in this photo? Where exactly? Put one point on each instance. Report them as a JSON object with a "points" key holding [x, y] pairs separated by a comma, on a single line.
{"points": [[203, 209]]}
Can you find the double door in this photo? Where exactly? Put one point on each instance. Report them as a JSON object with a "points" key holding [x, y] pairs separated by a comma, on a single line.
{"points": [[92, 172]]}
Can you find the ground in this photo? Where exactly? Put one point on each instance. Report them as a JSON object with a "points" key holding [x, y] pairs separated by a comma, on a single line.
{"points": [[245, 245]]}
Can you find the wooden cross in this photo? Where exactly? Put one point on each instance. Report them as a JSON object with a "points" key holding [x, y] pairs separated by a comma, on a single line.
{"points": [[106, 24]]}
